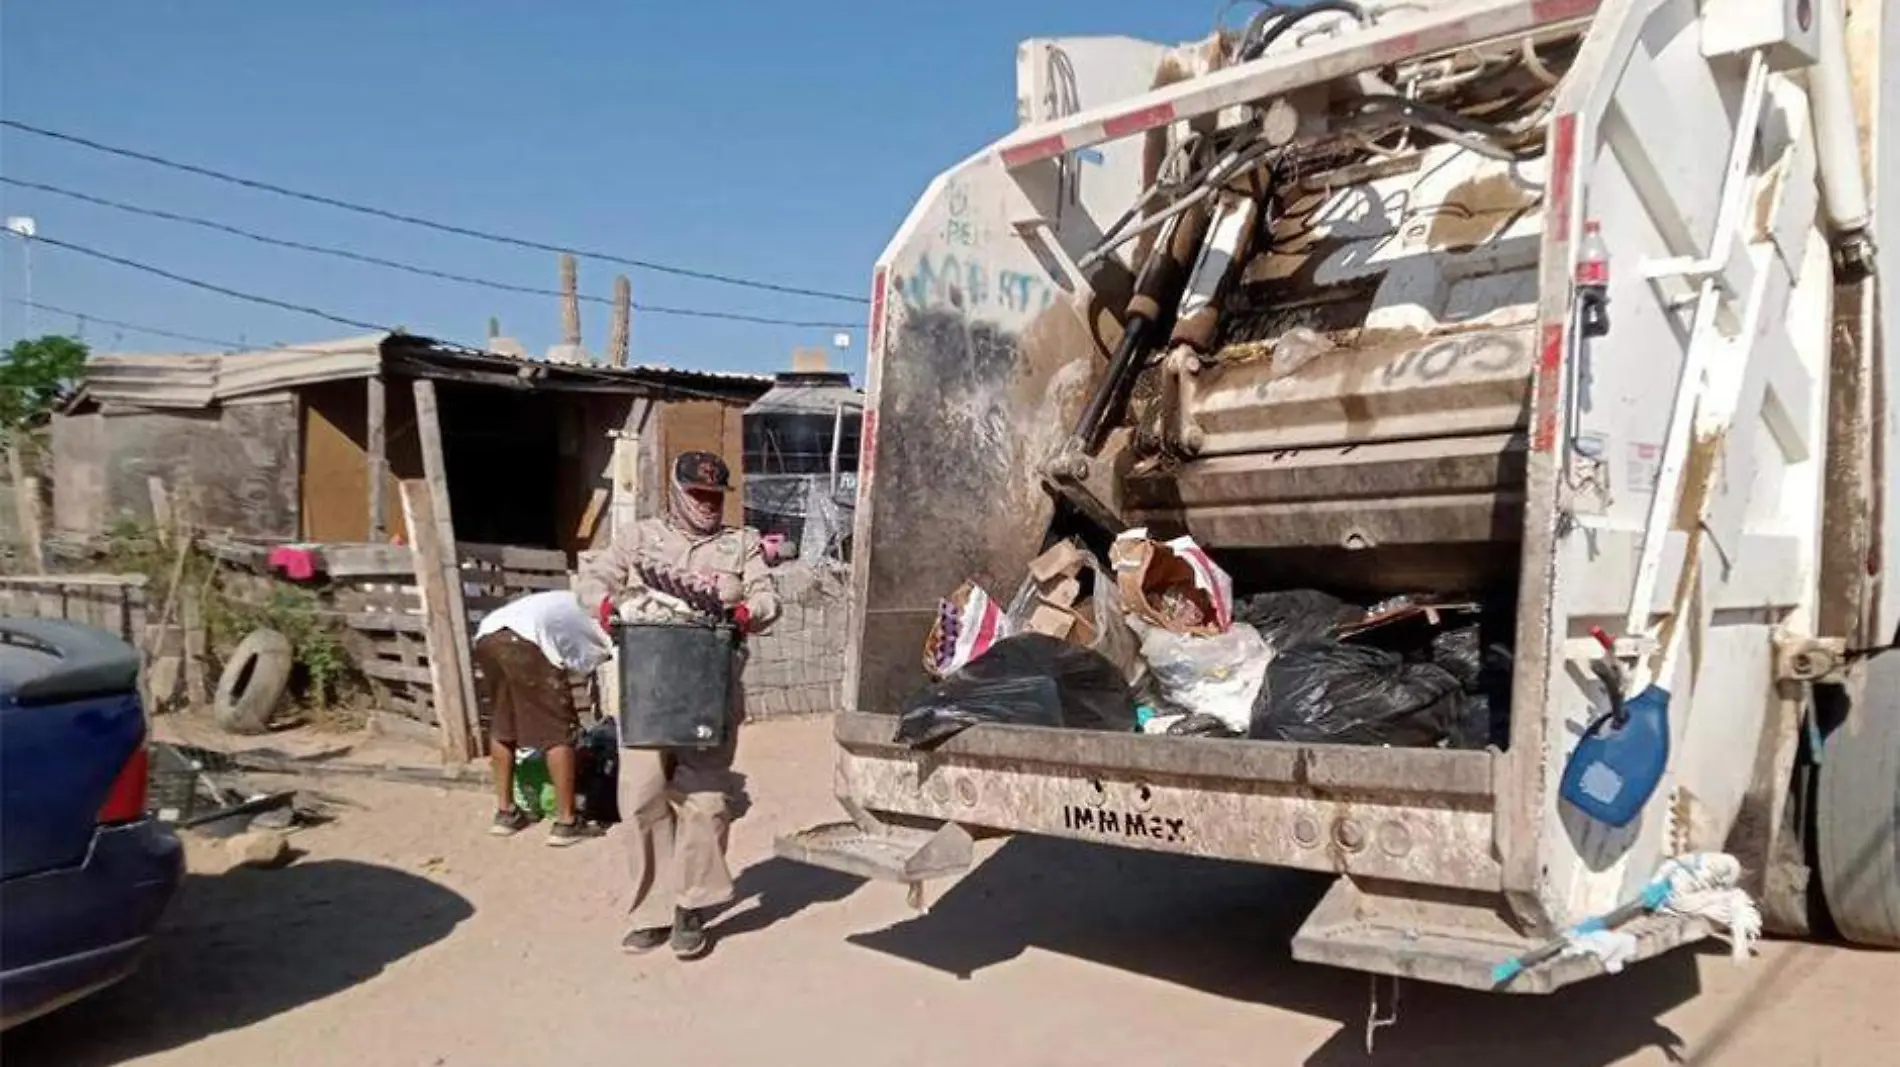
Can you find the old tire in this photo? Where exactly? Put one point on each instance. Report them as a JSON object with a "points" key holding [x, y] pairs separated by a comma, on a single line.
{"points": [[1857, 812], [253, 682]]}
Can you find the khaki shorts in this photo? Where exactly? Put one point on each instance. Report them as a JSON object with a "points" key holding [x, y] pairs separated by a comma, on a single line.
{"points": [[528, 698]]}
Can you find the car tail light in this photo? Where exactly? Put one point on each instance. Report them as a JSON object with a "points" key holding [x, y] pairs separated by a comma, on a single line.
{"points": [[126, 800]]}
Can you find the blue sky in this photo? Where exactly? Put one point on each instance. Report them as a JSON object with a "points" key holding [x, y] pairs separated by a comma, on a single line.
{"points": [[777, 141]]}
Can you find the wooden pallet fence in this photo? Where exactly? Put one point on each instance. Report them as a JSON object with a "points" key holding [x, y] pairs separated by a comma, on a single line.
{"points": [[114, 603], [493, 575], [375, 593], [379, 604]]}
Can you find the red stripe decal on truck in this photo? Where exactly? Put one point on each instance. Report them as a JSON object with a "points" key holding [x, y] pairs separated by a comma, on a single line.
{"points": [[867, 451], [1041, 148], [1404, 46], [1563, 171], [873, 345], [1558, 10], [1550, 367], [1138, 121]]}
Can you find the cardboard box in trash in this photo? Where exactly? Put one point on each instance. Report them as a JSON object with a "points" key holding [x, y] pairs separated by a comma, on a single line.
{"points": [[1173, 584], [1051, 601]]}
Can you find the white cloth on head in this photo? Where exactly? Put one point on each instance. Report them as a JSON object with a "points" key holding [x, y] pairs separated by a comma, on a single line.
{"points": [[554, 621], [692, 513]]}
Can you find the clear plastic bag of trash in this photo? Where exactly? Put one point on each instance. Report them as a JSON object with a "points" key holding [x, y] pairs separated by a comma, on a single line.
{"points": [[1219, 676], [1026, 680], [1327, 692]]}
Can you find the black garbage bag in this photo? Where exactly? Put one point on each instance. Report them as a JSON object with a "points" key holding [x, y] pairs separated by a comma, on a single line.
{"points": [[1202, 726], [1484, 672], [1326, 692], [1461, 653], [597, 774], [1027, 680], [1296, 616]]}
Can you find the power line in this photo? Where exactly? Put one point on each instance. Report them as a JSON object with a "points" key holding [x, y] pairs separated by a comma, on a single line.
{"points": [[666, 391], [409, 268], [236, 294], [89, 319], [415, 220]]}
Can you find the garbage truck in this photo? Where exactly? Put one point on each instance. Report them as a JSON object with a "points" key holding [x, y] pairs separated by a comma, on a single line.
{"points": [[1578, 300]]}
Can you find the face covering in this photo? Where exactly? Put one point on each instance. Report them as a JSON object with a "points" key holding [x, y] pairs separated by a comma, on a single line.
{"points": [[694, 513]]}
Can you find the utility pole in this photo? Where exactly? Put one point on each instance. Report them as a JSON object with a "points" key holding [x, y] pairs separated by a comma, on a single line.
{"points": [[27, 229]]}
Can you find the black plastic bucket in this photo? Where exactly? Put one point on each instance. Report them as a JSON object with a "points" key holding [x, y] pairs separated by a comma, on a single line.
{"points": [[675, 684]]}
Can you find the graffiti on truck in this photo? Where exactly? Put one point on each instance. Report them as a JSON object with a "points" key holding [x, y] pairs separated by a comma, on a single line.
{"points": [[1488, 352], [966, 282]]}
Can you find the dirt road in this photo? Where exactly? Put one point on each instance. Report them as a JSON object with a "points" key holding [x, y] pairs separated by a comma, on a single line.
{"points": [[406, 936]]}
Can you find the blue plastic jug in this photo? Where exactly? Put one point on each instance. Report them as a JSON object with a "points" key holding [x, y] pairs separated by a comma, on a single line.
{"points": [[1617, 765]]}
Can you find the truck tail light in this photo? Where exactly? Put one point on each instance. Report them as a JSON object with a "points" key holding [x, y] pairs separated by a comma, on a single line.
{"points": [[125, 801]]}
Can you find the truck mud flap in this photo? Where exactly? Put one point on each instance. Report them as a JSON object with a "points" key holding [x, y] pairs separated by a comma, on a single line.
{"points": [[868, 847]]}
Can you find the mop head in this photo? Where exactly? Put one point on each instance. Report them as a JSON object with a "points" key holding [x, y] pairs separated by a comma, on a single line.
{"points": [[1707, 885], [1700, 885]]}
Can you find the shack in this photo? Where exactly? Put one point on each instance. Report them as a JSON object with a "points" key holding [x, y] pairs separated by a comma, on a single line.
{"points": [[311, 443]]}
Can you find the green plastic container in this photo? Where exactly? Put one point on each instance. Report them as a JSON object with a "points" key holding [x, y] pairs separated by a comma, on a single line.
{"points": [[534, 790]]}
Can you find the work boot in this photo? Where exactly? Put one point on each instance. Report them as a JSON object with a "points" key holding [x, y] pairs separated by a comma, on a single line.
{"points": [[689, 934], [640, 941]]}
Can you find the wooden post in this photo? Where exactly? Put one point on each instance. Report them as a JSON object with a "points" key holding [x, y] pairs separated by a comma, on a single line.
{"points": [[447, 668], [440, 525], [197, 689], [161, 509], [26, 504], [33, 522], [378, 459], [619, 337], [624, 502]]}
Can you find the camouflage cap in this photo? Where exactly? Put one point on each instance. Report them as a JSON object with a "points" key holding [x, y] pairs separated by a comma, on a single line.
{"points": [[702, 470]]}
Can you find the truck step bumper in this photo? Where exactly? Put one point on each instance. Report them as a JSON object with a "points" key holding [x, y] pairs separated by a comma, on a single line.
{"points": [[867, 847], [1430, 941]]}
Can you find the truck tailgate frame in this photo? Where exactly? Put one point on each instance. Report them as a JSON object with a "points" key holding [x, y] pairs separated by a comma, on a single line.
{"points": [[1422, 816]]}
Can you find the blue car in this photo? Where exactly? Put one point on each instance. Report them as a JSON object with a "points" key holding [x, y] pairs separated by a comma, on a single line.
{"points": [[85, 871]]}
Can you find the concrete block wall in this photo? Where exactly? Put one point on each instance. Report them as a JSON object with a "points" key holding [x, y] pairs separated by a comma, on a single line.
{"points": [[797, 668]]}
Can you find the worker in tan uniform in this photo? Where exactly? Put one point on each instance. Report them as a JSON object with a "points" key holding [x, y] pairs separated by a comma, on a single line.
{"points": [[673, 804]]}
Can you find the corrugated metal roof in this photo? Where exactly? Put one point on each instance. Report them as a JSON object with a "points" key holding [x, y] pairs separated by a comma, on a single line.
{"points": [[198, 379], [164, 380], [274, 370]]}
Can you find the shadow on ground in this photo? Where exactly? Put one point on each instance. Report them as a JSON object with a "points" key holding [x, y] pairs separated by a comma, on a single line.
{"points": [[1225, 929], [773, 890], [243, 946]]}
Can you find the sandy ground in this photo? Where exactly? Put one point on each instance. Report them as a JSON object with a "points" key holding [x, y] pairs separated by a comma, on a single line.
{"points": [[406, 936]]}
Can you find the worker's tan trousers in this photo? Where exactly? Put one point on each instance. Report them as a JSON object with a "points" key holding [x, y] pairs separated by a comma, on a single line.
{"points": [[673, 820]]}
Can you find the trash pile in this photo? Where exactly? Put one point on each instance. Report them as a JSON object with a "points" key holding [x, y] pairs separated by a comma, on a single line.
{"points": [[669, 594], [1156, 642]]}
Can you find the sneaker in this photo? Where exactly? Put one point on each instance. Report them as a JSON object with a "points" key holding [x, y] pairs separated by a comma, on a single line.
{"points": [[509, 823], [562, 834], [639, 941], [689, 935]]}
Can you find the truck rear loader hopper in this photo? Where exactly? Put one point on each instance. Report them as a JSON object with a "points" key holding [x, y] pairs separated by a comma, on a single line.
{"points": [[1574, 300]]}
